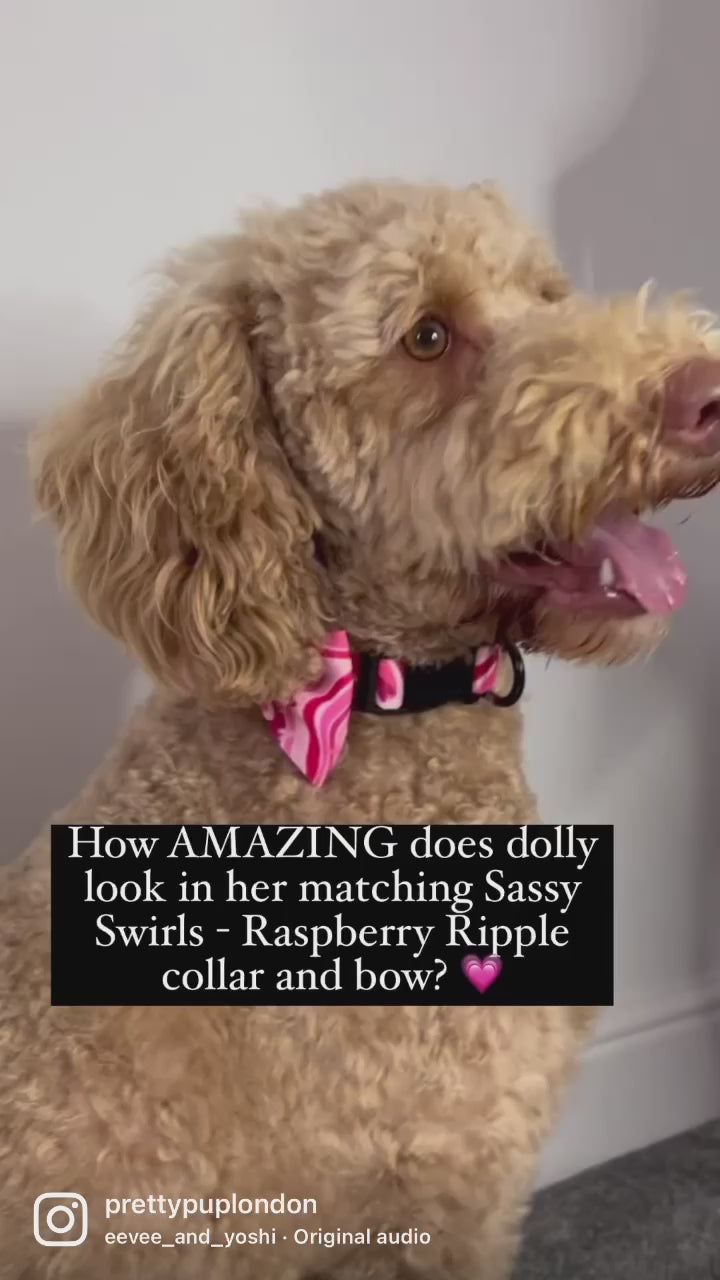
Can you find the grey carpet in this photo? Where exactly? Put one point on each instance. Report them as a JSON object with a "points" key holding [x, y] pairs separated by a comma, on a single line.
{"points": [[652, 1215]]}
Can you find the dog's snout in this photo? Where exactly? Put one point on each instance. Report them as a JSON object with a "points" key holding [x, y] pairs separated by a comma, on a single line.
{"points": [[691, 405]]}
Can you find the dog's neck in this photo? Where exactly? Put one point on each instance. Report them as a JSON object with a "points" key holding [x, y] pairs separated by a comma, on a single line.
{"points": [[404, 611]]}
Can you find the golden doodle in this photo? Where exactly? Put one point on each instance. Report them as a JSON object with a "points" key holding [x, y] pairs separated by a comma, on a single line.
{"points": [[378, 426]]}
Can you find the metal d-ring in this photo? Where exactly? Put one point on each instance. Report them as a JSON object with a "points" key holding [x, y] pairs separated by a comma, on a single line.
{"points": [[516, 690]]}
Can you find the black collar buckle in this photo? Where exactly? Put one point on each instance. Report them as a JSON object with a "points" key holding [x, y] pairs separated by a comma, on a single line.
{"points": [[427, 687]]}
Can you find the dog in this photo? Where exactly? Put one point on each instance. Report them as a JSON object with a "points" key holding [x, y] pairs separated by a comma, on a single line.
{"points": [[380, 425]]}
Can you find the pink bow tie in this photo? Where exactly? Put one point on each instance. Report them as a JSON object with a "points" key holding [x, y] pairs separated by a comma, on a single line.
{"points": [[312, 727]]}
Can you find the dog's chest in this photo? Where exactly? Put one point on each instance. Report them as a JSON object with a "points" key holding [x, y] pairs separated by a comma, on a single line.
{"points": [[452, 765]]}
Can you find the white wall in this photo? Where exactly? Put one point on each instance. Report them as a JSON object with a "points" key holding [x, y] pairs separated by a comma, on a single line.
{"points": [[126, 128]]}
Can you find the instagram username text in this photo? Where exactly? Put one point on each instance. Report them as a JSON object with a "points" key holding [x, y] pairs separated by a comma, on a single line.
{"points": [[210, 1206]]}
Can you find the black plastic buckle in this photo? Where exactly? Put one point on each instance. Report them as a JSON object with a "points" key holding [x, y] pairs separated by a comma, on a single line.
{"points": [[428, 687]]}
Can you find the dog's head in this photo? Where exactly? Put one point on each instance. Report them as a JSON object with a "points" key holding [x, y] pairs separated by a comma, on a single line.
{"points": [[387, 411]]}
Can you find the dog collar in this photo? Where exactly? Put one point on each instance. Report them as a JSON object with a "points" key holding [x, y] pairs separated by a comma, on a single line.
{"points": [[311, 728]]}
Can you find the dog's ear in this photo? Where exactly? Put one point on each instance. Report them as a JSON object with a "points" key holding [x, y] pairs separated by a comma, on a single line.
{"points": [[182, 527]]}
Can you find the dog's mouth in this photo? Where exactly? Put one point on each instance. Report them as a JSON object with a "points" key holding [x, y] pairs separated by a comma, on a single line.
{"points": [[623, 568]]}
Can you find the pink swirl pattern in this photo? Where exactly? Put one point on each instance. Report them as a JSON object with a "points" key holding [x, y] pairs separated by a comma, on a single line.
{"points": [[390, 684], [312, 727], [487, 661]]}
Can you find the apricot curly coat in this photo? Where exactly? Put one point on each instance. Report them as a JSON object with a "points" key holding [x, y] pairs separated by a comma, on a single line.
{"points": [[266, 398]]}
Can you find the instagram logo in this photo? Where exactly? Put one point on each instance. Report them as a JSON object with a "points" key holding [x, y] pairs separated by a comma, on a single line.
{"points": [[60, 1218]]}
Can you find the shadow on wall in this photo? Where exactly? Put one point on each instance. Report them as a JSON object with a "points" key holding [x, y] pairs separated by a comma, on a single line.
{"points": [[646, 204], [62, 684]]}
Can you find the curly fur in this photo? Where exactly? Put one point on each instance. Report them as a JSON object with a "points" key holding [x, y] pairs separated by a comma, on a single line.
{"points": [[262, 462], [181, 528]]}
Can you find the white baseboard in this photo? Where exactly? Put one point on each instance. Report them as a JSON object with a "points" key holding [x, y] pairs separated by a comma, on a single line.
{"points": [[644, 1078]]}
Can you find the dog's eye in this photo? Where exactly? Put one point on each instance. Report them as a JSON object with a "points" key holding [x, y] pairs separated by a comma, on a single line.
{"points": [[428, 339]]}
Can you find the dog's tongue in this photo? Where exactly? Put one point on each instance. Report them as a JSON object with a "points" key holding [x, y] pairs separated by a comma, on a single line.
{"points": [[645, 562]]}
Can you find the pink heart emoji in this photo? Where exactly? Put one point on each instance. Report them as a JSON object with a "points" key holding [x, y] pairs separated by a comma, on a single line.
{"points": [[482, 973]]}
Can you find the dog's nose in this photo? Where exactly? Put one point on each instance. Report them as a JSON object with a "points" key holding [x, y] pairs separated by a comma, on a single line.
{"points": [[691, 405]]}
